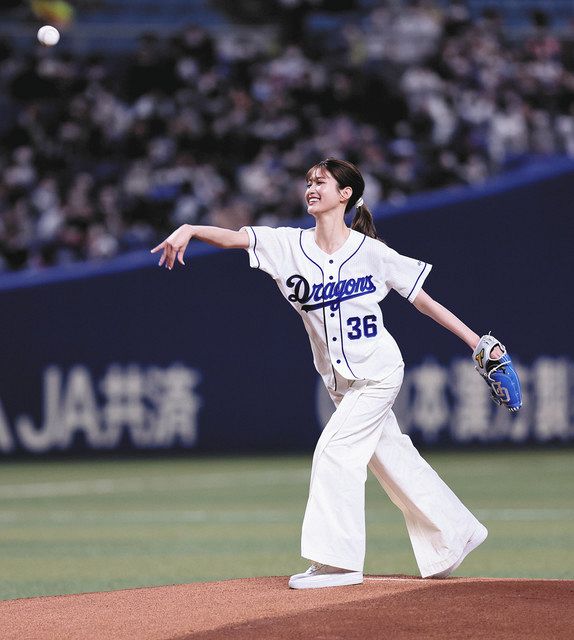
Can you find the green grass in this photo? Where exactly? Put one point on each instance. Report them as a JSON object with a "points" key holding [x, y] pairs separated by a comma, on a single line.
{"points": [[68, 527]]}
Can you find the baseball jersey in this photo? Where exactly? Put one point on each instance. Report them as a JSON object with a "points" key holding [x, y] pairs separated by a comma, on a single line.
{"points": [[337, 295]]}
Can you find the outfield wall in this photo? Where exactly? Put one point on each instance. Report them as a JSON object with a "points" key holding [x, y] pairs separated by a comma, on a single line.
{"points": [[210, 358]]}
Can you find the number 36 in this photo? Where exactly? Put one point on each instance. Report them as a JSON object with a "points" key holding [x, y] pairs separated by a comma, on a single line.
{"points": [[362, 327]]}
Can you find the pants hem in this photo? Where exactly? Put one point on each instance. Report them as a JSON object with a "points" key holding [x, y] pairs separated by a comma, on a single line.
{"points": [[441, 565], [332, 561]]}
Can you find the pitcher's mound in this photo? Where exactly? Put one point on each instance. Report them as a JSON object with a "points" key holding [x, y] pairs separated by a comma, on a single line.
{"points": [[396, 607]]}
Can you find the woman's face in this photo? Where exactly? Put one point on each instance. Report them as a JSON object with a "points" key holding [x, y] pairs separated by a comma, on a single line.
{"points": [[323, 193]]}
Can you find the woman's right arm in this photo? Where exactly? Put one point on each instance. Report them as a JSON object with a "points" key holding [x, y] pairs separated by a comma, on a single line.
{"points": [[173, 247]]}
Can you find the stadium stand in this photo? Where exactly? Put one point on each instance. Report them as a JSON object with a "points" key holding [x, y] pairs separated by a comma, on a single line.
{"points": [[104, 151]]}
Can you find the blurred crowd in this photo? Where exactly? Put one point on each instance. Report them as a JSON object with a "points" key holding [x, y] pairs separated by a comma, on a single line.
{"points": [[102, 155]]}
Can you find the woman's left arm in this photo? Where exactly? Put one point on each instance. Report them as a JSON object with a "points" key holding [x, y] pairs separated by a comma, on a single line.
{"points": [[425, 304]]}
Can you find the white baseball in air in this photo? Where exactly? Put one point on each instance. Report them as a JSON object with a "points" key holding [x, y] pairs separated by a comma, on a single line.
{"points": [[48, 35]]}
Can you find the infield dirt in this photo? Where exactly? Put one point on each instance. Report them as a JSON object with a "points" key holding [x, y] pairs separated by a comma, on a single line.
{"points": [[396, 607]]}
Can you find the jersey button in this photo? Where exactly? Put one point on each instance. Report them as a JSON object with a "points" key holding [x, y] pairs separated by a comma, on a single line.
{"points": [[330, 277], [330, 262], [332, 315], [334, 339], [338, 362]]}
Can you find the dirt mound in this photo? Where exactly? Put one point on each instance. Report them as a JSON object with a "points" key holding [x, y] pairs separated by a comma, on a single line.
{"points": [[265, 608]]}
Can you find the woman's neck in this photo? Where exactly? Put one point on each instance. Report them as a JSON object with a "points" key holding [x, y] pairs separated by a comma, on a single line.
{"points": [[331, 232]]}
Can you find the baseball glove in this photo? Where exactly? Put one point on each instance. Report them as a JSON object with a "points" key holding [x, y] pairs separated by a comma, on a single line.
{"points": [[499, 373]]}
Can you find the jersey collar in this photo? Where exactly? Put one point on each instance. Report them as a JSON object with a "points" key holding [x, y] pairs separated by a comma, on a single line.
{"points": [[344, 252]]}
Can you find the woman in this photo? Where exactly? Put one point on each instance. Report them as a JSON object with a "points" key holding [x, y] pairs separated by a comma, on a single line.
{"points": [[335, 276]]}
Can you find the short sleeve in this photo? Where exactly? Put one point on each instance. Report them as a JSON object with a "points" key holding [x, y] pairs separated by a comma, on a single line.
{"points": [[267, 249], [405, 275]]}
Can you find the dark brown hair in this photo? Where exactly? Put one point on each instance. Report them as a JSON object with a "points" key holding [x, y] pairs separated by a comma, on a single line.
{"points": [[347, 175]]}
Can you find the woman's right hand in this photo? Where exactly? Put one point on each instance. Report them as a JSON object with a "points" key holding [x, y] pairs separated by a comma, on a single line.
{"points": [[174, 246]]}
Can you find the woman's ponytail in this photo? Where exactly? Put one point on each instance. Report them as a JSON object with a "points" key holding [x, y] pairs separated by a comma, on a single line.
{"points": [[363, 221]]}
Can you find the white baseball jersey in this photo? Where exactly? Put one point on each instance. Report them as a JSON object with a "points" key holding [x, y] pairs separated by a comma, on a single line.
{"points": [[338, 295]]}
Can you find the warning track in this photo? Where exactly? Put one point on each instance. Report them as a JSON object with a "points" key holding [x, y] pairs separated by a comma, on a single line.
{"points": [[264, 608]]}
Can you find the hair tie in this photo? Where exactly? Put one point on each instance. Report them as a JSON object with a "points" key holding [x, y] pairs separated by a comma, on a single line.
{"points": [[359, 203]]}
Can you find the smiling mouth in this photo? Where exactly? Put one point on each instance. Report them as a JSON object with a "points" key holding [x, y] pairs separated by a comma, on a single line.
{"points": [[311, 201]]}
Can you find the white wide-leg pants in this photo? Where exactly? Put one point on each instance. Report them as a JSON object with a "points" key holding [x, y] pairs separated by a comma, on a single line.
{"points": [[363, 432]]}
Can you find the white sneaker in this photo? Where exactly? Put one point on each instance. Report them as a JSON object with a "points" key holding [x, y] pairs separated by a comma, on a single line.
{"points": [[477, 538], [322, 575]]}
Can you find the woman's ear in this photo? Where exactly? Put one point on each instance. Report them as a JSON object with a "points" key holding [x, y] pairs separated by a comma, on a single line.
{"points": [[346, 193]]}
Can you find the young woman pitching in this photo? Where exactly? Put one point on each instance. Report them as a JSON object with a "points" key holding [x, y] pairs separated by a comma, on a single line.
{"points": [[335, 277]]}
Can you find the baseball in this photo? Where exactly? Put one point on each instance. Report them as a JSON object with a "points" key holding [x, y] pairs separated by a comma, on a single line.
{"points": [[48, 35]]}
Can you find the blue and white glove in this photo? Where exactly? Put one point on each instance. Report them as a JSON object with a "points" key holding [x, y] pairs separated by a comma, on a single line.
{"points": [[499, 373]]}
